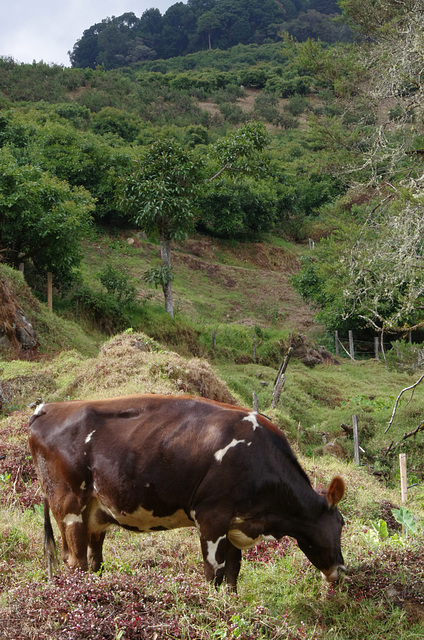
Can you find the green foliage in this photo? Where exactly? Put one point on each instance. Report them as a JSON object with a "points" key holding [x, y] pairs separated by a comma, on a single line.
{"points": [[78, 115], [110, 120], [381, 529], [159, 276], [104, 311], [406, 519], [297, 104], [238, 210], [126, 40], [117, 284], [159, 194], [242, 150], [405, 356], [42, 219]]}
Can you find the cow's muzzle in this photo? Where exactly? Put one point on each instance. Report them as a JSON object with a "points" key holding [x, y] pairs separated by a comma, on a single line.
{"points": [[335, 573]]}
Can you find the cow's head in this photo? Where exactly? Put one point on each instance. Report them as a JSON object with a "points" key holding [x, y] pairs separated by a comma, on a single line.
{"points": [[320, 539]]}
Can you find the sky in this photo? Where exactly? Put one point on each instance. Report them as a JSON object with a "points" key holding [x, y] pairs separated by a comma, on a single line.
{"points": [[45, 30]]}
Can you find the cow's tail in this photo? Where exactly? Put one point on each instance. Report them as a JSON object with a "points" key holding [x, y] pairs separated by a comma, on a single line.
{"points": [[50, 553]]}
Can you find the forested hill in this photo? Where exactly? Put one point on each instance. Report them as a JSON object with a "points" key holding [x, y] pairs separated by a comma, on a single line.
{"points": [[204, 24], [300, 140]]}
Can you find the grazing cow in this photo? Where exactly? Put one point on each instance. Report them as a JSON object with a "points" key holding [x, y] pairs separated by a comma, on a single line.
{"points": [[156, 462]]}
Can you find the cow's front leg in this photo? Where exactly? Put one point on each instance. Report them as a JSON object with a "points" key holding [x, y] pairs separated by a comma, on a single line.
{"points": [[221, 560], [232, 565], [214, 554]]}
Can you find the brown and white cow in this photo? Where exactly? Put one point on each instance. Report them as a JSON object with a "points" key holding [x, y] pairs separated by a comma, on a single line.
{"points": [[155, 462]]}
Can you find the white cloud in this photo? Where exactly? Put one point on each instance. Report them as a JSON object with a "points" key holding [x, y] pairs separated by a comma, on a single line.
{"points": [[47, 29]]}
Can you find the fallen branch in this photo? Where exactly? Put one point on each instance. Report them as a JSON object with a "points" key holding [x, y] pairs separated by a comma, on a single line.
{"points": [[280, 379], [398, 399], [406, 436]]}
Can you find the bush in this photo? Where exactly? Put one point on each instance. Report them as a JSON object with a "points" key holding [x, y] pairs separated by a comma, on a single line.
{"points": [[233, 113], [118, 285], [297, 104], [405, 356]]}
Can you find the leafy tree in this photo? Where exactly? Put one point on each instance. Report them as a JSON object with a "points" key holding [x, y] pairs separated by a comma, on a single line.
{"points": [[159, 196], [369, 272], [207, 24], [162, 193], [382, 274], [178, 24], [42, 219], [370, 16]]}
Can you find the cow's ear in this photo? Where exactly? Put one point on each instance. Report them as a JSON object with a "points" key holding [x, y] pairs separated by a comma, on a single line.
{"points": [[335, 491]]}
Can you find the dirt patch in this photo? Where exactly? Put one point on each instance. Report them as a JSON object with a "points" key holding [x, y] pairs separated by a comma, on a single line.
{"points": [[370, 581], [247, 102], [204, 249]]}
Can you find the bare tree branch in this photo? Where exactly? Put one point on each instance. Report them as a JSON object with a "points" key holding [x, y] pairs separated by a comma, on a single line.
{"points": [[398, 399], [414, 432]]}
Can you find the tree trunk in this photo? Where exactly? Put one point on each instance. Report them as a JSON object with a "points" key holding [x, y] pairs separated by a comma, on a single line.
{"points": [[165, 254]]}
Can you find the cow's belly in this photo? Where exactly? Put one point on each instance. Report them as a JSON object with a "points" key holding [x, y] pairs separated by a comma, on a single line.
{"points": [[101, 517], [244, 536]]}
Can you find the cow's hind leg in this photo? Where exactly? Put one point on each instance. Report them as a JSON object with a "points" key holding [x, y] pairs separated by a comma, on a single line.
{"points": [[95, 551]]}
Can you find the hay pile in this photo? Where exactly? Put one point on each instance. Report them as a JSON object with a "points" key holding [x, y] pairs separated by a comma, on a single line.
{"points": [[135, 363]]}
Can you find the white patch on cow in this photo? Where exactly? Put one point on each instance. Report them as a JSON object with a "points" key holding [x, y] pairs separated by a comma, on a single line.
{"points": [[147, 485], [83, 485], [242, 541], [212, 551], [72, 518], [253, 419], [221, 452], [39, 409], [141, 519], [90, 435]]}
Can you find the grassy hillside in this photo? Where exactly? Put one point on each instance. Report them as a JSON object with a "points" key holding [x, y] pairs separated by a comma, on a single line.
{"points": [[153, 584]]}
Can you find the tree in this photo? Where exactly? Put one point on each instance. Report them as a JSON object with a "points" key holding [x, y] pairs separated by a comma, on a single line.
{"points": [[160, 197], [42, 219], [162, 193], [207, 24]]}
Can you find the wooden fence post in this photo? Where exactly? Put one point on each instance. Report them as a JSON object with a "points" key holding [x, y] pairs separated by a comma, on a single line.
{"points": [[356, 441], [403, 477], [214, 340], [50, 291], [376, 348], [351, 345], [255, 402], [336, 340]]}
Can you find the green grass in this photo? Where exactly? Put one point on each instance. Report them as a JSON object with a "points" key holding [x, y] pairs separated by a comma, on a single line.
{"points": [[156, 580]]}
